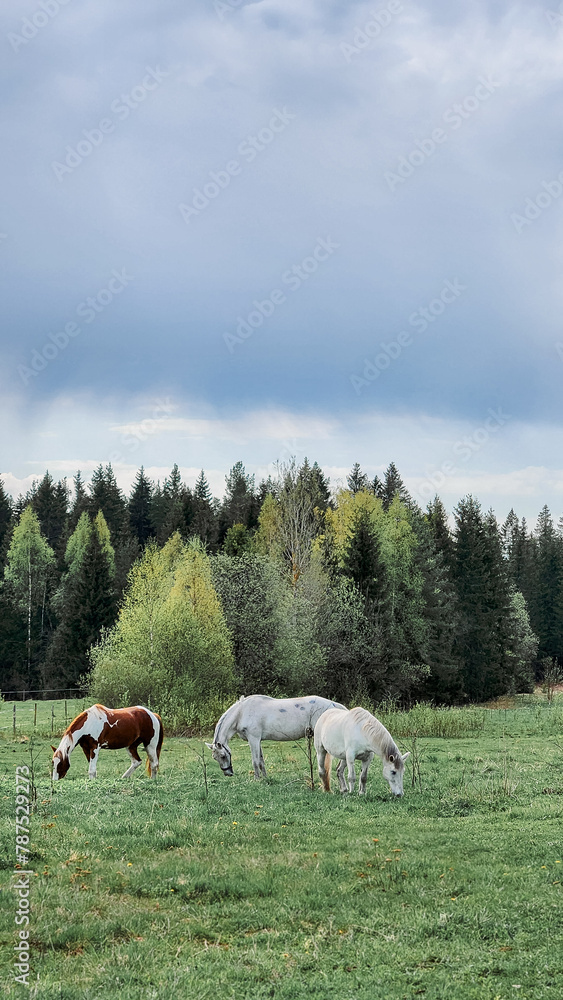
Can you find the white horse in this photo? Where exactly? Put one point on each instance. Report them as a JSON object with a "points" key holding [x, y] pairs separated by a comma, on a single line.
{"points": [[259, 717], [357, 735]]}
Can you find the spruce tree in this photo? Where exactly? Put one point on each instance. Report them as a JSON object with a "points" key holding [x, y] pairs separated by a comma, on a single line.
{"points": [[547, 604], [199, 512], [437, 519], [240, 504], [483, 593], [105, 495], [139, 508], [87, 604], [357, 480], [80, 504], [393, 486], [49, 500], [5, 518], [362, 561], [444, 682]]}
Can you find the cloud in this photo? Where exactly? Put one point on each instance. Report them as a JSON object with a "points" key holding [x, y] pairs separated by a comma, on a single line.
{"points": [[355, 120]]}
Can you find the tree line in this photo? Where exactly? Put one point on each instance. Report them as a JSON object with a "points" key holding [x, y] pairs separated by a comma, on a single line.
{"points": [[282, 586]]}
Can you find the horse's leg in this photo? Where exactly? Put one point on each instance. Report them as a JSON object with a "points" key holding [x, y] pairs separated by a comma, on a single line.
{"points": [[135, 761], [152, 760], [324, 770], [262, 763], [364, 775], [351, 772], [93, 756], [340, 775], [256, 751]]}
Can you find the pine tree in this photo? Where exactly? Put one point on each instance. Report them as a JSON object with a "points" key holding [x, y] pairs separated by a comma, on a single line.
{"points": [[437, 519], [311, 481], [139, 508], [5, 518], [240, 502], [175, 497], [546, 605], [377, 488], [483, 600], [105, 495], [357, 480], [393, 486], [362, 561], [49, 500], [199, 512], [89, 604], [80, 504], [444, 683]]}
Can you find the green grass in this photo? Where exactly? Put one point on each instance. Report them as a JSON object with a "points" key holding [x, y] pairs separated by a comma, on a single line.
{"points": [[265, 889]]}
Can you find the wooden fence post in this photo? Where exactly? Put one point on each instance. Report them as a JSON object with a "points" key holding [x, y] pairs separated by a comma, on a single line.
{"points": [[35, 715], [14, 723], [52, 717]]}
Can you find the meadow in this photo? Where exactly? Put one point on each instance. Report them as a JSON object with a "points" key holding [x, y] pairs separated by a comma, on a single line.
{"points": [[198, 885]]}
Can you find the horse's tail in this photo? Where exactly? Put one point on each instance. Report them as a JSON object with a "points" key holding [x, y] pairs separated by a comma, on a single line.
{"points": [[158, 745], [160, 736]]}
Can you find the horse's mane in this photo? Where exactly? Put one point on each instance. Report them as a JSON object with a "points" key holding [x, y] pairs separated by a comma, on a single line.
{"points": [[376, 731]]}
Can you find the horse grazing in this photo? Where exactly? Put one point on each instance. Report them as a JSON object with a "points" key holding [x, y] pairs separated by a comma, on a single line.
{"points": [[357, 735], [259, 717], [100, 728]]}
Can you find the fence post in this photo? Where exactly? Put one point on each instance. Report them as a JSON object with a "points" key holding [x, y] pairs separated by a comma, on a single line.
{"points": [[35, 715], [14, 723], [52, 716], [66, 714]]}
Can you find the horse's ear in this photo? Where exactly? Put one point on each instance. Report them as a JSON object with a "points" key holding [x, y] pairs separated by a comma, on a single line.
{"points": [[406, 755], [210, 746], [54, 749]]}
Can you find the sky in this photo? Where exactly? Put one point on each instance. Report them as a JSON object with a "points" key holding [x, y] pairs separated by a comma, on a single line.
{"points": [[255, 230]]}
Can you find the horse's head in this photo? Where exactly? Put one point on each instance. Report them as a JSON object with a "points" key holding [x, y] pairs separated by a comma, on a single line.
{"points": [[393, 771], [222, 755], [61, 764]]}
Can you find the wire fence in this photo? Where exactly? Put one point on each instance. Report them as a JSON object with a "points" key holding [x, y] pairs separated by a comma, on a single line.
{"points": [[43, 716], [44, 694]]}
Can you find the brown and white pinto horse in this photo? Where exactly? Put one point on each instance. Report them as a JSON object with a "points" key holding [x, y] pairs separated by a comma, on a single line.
{"points": [[100, 728]]}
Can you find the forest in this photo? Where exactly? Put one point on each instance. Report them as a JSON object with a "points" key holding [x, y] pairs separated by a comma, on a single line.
{"points": [[172, 597]]}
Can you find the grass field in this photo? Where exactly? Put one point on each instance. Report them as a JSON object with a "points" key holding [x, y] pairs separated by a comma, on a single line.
{"points": [[201, 886]]}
